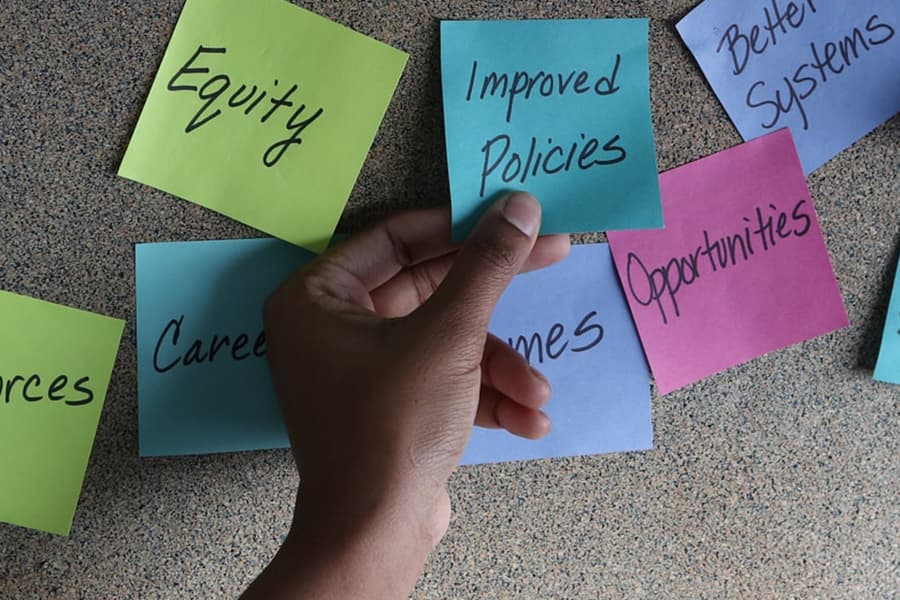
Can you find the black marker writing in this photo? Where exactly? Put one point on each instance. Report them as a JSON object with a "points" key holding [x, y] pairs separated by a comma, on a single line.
{"points": [[741, 46], [659, 286], [831, 58], [32, 388], [548, 159], [212, 93], [525, 85], [170, 353], [825, 60], [554, 344]]}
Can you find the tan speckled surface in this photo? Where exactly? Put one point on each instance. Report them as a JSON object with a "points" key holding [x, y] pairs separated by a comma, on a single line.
{"points": [[780, 478]]}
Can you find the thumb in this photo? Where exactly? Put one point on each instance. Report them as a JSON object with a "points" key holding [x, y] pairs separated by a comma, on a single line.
{"points": [[491, 256]]}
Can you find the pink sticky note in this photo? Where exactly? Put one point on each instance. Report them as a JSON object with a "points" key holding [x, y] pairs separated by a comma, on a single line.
{"points": [[740, 269]]}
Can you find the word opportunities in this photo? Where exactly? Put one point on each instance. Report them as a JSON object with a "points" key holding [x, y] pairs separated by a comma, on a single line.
{"points": [[660, 285], [828, 70], [571, 123], [204, 385], [740, 270], [571, 322], [263, 112], [888, 366], [55, 366], [213, 95]]}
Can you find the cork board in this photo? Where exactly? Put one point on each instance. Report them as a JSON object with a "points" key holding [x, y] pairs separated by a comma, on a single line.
{"points": [[776, 478]]}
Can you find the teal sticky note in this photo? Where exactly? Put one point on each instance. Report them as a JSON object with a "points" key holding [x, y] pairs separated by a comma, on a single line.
{"points": [[203, 380], [888, 366], [560, 108]]}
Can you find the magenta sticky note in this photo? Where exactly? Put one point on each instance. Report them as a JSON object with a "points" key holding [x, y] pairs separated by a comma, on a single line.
{"points": [[741, 268]]}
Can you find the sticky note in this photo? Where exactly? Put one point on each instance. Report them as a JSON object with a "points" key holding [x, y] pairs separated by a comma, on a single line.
{"points": [[55, 366], [571, 322], [571, 318], [740, 269], [888, 366], [264, 112], [560, 108], [828, 70], [203, 378]]}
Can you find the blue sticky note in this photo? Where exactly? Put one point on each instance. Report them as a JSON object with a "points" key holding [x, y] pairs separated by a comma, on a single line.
{"points": [[828, 69], [571, 322], [888, 366], [560, 108], [203, 379]]}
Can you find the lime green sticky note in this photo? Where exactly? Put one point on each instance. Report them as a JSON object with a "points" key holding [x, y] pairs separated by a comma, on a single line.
{"points": [[55, 365], [264, 112]]}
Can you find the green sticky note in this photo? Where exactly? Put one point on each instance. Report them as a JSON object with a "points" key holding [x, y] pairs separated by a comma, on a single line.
{"points": [[264, 112], [55, 365]]}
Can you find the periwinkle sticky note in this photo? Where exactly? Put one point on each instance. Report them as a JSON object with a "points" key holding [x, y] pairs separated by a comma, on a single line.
{"points": [[560, 108], [827, 69], [888, 366], [199, 393], [571, 322], [741, 268], [264, 112], [55, 367]]}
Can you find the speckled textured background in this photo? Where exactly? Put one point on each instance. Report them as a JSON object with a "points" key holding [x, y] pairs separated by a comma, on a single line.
{"points": [[779, 478]]}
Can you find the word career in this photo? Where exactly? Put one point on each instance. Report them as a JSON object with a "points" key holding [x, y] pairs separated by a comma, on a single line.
{"points": [[243, 99], [661, 285]]}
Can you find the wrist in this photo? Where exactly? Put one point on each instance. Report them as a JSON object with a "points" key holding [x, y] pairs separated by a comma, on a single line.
{"points": [[366, 546]]}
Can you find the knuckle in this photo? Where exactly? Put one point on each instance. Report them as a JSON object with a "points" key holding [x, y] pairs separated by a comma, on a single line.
{"points": [[423, 282], [402, 252], [499, 256]]}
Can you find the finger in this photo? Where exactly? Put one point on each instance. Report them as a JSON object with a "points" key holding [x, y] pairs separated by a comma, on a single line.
{"points": [[402, 240], [496, 411], [494, 252], [507, 371], [412, 287]]}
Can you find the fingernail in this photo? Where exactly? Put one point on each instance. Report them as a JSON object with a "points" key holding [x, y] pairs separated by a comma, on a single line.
{"points": [[523, 212]]}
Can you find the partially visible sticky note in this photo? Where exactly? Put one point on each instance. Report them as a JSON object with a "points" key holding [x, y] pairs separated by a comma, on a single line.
{"points": [[203, 378], [571, 321], [196, 296], [558, 107], [740, 269], [829, 70], [264, 112], [55, 366], [888, 366]]}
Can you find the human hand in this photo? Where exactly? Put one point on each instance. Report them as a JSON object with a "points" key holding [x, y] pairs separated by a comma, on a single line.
{"points": [[382, 362]]}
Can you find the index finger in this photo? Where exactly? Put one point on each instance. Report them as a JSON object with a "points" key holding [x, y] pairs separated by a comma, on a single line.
{"points": [[402, 240]]}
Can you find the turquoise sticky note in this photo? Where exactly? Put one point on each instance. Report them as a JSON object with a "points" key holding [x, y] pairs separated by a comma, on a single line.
{"points": [[203, 380], [560, 108], [888, 366]]}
